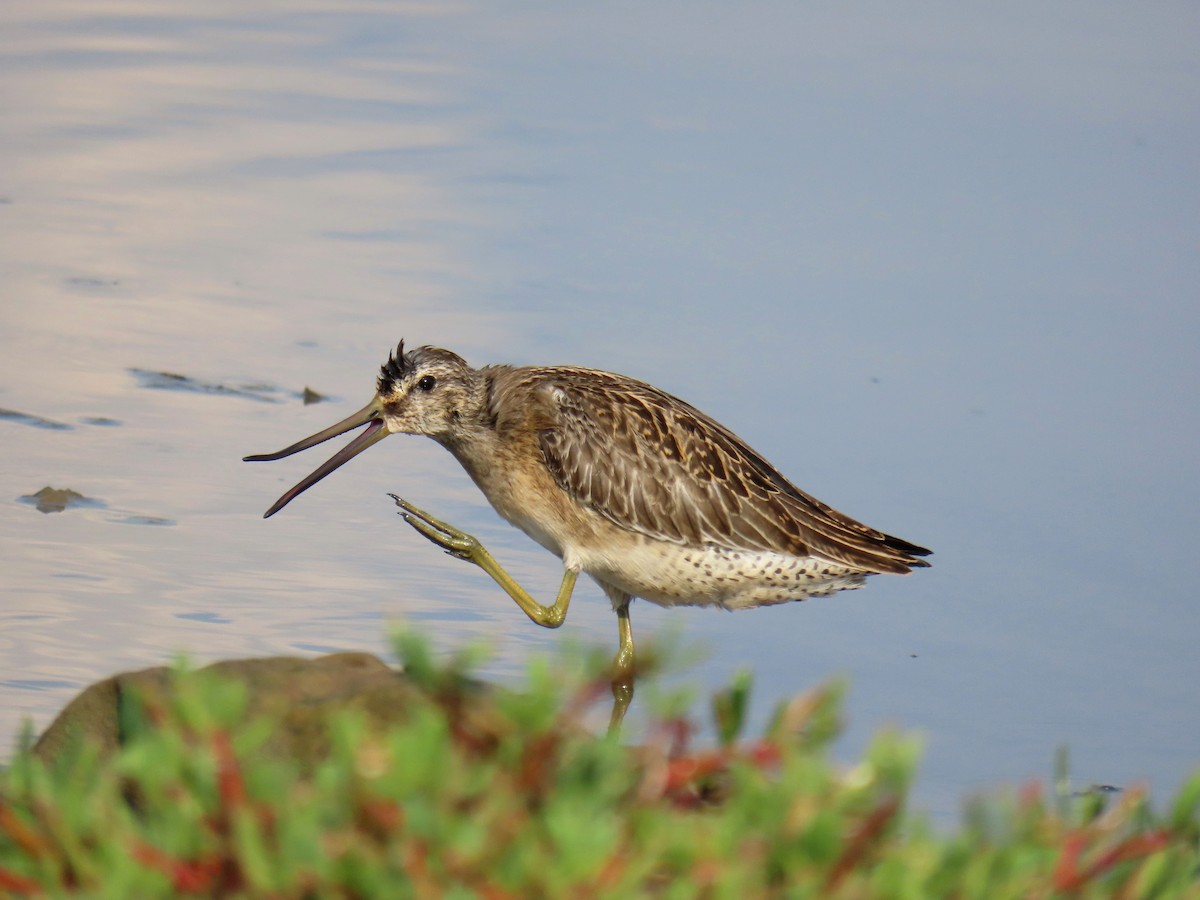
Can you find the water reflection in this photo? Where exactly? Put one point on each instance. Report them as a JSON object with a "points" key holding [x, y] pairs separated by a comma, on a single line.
{"points": [[176, 179]]}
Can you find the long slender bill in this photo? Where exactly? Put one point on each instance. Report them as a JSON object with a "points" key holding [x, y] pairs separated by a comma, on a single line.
{"points": [[375, 432]]}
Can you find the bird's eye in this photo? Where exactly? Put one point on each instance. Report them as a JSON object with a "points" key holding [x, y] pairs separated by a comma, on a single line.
{"points": [[427, 383]]}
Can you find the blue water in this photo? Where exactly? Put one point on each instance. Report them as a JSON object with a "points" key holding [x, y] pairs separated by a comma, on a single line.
{"points": [[937, 264]]}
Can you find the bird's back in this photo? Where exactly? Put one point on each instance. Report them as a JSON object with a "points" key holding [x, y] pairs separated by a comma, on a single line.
{"points": [[656, 466]]}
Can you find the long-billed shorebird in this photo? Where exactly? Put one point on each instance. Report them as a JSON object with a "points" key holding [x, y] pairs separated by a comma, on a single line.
{"points": [[646, 494]]}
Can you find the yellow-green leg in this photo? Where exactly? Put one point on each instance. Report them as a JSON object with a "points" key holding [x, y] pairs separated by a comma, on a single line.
{"points": [[622, 684], [464, 546]]}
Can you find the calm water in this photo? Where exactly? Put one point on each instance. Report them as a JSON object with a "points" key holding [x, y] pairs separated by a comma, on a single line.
{"points": [[939, 266]]}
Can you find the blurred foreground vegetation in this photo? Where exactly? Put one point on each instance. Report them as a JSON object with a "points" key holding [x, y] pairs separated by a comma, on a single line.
{"points": [[515, 799]]}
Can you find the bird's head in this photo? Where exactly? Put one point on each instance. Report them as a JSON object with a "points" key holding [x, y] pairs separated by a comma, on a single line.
{"points": [[423, 391]]}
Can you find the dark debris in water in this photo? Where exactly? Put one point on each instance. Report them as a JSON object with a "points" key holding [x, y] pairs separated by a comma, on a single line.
{"points": [[102, 421], [263, 393], [50, 499], [36, 421], [90, 282], [170, 381]]}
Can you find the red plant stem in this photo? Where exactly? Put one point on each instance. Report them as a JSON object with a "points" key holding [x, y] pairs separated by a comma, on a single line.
{"points": [[860, 842], [191, 876], [1066, 875], [11, 881], [685, 769], [231, 787], [22, 835]]}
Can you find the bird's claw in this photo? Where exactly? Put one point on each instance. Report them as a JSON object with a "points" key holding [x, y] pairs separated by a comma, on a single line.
{"points": [[454, 542]]}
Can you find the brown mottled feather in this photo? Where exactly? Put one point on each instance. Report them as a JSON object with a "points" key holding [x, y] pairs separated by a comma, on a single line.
{"points": [[656, 465]]}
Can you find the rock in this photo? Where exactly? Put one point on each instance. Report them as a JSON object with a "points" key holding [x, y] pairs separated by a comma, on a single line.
{"points": [[50, 499], [299, 695]]}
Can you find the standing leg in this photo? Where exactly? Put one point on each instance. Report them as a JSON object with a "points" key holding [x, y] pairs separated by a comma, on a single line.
{"points": [[623, 670]]}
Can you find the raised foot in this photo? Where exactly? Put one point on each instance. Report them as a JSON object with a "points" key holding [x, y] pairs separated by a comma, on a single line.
{"points": [[455, 542]]}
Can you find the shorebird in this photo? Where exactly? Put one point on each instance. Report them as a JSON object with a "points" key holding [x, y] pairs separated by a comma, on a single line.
{"points": [[642, 491]]}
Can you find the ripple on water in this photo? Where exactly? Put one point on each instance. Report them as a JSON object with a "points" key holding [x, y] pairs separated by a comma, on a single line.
{"points": [[211, 618], [142, 520], [37, 684]]}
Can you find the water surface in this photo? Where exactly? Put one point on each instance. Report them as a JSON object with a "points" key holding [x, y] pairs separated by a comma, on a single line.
{"points": [[938, 265]]}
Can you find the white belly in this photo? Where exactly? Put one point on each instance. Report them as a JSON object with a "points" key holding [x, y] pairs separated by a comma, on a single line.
{"points": [[659, 571], [671, 575]]}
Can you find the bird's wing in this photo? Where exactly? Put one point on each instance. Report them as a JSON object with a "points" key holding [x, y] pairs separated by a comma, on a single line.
{"points": [[652, 463]]}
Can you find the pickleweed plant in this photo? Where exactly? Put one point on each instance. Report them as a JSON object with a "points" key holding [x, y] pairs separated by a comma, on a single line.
{"points": [[475, 790]]}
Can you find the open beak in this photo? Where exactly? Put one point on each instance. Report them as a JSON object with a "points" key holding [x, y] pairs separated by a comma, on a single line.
{"points": [[376, 431]]}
